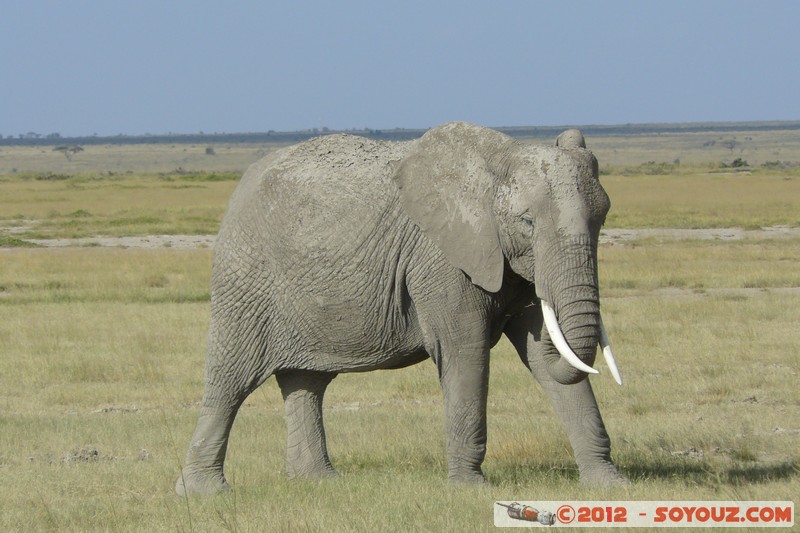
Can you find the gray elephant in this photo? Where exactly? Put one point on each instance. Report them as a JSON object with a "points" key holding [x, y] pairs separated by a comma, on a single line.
{"points": [[343, 254]]}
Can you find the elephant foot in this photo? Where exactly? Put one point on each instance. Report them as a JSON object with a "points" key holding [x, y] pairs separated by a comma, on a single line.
{"points": [[603, 476], [192, 483], [313, 473], [466, 478]]}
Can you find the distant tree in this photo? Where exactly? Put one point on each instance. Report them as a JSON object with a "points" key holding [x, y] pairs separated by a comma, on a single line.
{"points": [[730, 144], [210, 150], [68, 150]]}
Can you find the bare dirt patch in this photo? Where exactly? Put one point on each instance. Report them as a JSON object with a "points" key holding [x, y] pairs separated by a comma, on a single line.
{"points": [[178, 242], [613, 236], [607, 236]]}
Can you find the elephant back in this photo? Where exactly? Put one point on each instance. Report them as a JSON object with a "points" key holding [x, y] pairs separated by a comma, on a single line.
{"points": [[322, 199]]}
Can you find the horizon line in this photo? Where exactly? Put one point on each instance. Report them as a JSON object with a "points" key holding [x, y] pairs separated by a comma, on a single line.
{"points": [[398, 132]]}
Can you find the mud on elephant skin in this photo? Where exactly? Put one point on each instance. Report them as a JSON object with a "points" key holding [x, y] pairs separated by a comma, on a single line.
{"points": [[343, 254]]}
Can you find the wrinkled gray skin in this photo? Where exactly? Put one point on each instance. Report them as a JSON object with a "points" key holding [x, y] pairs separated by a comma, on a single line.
{"points": [[343, 254]]}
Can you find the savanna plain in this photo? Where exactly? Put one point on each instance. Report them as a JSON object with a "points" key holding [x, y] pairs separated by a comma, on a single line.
{"points": [[102, 351]]}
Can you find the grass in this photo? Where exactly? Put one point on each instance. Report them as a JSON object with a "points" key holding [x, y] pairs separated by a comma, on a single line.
{"points": [[193, 204], [103, 369], [102, 353], [88, 206], [705, 149], [667, 180], [7, 241], [72, 275], [137, 158], [699, 199], [648, 265]]}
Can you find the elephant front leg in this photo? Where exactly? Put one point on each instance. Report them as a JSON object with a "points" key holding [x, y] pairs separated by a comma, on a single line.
{"points": [[306, 449], [577, 409], [464, 376], [575, 405]]}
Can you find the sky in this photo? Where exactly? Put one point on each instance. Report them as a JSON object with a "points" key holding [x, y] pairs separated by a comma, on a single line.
{"points": [[179, 66]]}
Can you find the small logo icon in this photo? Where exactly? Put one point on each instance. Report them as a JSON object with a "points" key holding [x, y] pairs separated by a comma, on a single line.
{"points": [[517, 511], [565, 514]]}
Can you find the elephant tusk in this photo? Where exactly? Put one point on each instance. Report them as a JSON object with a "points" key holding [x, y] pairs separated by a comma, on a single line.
{"points": [[605, 344], [551, 322]]}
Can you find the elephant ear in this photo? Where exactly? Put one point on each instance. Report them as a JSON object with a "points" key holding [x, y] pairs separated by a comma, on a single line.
{"points": [[571, 138], [448, 191]]}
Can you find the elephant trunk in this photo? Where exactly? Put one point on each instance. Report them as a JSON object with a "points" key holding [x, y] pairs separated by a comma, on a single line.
{"points": [[571, 308], [576, 344]]}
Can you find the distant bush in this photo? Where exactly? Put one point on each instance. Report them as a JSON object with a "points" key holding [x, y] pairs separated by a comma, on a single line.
{"points": [[736, 163], [49, 176], [651, 168], [221, 176], [780, 164]]}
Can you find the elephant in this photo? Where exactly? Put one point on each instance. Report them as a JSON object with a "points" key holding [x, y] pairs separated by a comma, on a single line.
{"points": [[345, 254]]}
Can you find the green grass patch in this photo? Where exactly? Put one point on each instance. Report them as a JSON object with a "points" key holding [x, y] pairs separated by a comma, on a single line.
{"points": [[135, 221], [202, 176], [126, 205], [6, 241], [651, 194]]}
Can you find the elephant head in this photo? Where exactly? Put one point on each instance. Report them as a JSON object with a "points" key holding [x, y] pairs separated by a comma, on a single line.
{"points": [[492, 203]]}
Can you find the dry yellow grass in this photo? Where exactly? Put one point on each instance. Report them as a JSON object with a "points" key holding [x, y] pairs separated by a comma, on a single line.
{"points": [[697, 149], [644, 266], [103, 354], [139, 158], [704, 200]]}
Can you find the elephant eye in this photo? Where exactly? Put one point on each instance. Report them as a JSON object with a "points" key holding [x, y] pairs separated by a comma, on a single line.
{"points": [[527, 219]]}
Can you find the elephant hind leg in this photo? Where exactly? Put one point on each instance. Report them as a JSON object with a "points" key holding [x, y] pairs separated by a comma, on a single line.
{"points": [[306, 449], [203, 471], [203, 468], [232, 373]]}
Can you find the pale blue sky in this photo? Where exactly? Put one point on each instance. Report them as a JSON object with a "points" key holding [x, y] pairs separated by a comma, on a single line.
{"points": [[108, 67]]}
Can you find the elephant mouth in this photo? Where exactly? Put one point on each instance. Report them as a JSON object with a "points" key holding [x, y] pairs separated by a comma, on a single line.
{"points": [[557, 337]]}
